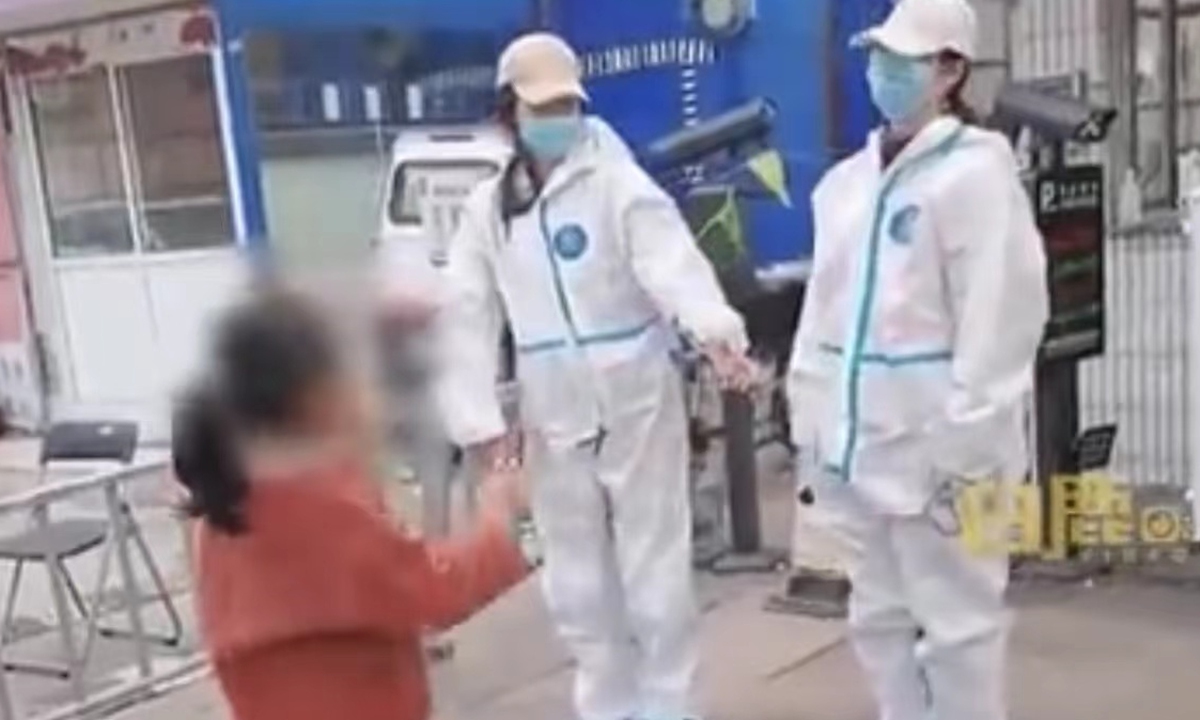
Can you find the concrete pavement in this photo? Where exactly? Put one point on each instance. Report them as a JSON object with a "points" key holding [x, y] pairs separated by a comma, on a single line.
{"points": [[1080, 653], [1096, 653]]}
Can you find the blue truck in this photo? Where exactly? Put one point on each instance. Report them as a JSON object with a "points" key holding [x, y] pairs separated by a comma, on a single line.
{"points": [[652, 67], [778, 75], [656, 66]]}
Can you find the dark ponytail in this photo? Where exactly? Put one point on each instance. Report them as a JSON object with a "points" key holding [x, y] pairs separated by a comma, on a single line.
{"points": [[956, 103], [269, 354], [957, 106], [207, 461]]}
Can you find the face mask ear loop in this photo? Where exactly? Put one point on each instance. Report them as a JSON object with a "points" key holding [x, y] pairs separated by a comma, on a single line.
{"points": [[519, 186]]}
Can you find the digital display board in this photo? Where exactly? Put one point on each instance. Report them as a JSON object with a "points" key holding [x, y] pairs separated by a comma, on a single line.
{"points": [[1069, 204]]}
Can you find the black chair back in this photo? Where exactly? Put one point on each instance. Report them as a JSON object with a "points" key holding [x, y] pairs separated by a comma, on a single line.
{"points": [[90, 441]]}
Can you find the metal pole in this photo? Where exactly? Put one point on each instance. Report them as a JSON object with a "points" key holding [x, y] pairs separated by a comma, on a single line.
{"points": [[1170, 106], [8, 709], [742, 471], [120, 518], [58, 593], [1006, 42], [1119, 27], [1193, 208], [1132, 114], [1057, 408], [741, 467]]}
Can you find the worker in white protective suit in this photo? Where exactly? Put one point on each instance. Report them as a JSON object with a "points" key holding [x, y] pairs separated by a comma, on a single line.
{"points": [[911, 367], [592, 264]]}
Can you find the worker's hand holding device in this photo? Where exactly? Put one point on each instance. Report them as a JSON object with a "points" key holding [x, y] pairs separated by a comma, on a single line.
{"points": [[735, 370]]}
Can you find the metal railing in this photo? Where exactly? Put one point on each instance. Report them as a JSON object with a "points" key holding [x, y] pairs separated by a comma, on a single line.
{"points": [[149, 676], [1143, 381]]}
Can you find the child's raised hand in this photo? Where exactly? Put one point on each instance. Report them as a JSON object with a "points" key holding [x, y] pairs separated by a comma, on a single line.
{"points": [[503, 490], [503, 454]]}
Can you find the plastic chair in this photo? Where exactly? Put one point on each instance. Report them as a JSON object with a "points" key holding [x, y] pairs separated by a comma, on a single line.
{"points": [[54, 542]]}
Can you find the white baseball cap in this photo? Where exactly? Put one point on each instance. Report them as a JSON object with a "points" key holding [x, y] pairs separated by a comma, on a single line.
{"points": [[919, 28], [541, 68]]}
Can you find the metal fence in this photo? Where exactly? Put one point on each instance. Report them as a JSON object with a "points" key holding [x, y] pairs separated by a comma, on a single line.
{"points": [[1142, 382], [1138, 55], [138, 663]]}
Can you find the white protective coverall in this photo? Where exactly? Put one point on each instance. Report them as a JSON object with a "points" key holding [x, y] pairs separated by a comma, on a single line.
{"points": [[591, 279], [911, 366]]}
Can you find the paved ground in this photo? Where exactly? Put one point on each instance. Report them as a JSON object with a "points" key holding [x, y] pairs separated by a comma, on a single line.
{"points": [[1080, 654]]}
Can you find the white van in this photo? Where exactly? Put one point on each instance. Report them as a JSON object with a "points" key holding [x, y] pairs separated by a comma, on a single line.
{"points": [[432, 171]]}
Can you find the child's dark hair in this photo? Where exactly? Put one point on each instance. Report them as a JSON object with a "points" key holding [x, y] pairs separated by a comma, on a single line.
{"points": [[266, 353], [519, 185]]}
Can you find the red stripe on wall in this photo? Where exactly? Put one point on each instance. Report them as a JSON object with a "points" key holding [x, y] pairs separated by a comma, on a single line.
{"points": [[12, 315], [8, 236], [12, 308]]}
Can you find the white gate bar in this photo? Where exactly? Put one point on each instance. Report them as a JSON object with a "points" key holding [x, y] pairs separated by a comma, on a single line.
{"points": [[1191, 222]]}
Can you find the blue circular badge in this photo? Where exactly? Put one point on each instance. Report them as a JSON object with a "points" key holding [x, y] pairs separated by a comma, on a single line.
{"points": [[902, 222], [570, 242]]}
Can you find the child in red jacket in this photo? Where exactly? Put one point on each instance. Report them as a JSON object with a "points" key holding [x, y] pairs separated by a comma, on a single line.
{"points": [[312, 605]]}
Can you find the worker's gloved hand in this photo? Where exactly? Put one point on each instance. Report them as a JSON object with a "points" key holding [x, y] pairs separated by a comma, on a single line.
{"points": [[735, 370], [502, 454]]}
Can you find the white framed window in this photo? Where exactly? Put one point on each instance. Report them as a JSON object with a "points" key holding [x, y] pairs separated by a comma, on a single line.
{"points": [[132, 159], [77, 138]]}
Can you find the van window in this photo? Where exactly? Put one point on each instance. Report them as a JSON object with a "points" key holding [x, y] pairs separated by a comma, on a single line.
{"points": [[438, 183]]}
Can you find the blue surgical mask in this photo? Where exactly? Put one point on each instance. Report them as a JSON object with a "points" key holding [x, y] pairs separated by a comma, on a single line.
{"points": [[899, 85], [550, 138]]}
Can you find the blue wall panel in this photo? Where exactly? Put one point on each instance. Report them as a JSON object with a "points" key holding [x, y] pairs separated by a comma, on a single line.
{"points": [[785, 57], [633, 54], [796, 54], [649, 69]]}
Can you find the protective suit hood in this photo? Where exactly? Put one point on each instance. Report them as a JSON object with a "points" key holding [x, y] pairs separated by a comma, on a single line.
{"points": [[603, 141], [599, 148]]}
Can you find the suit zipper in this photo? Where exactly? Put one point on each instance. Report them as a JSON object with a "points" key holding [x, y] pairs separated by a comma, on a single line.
{"points": [[564, 304]]}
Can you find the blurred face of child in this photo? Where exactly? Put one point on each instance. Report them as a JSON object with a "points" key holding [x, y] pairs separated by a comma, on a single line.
{"points": [[337, 408]]}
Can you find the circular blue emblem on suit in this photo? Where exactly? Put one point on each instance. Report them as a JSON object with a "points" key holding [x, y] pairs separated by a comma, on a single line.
{"points": [[900, 227], [570, 242]]}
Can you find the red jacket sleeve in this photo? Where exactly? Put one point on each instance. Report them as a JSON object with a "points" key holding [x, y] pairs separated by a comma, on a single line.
{"points": [[436, 585], [319, 562]]}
